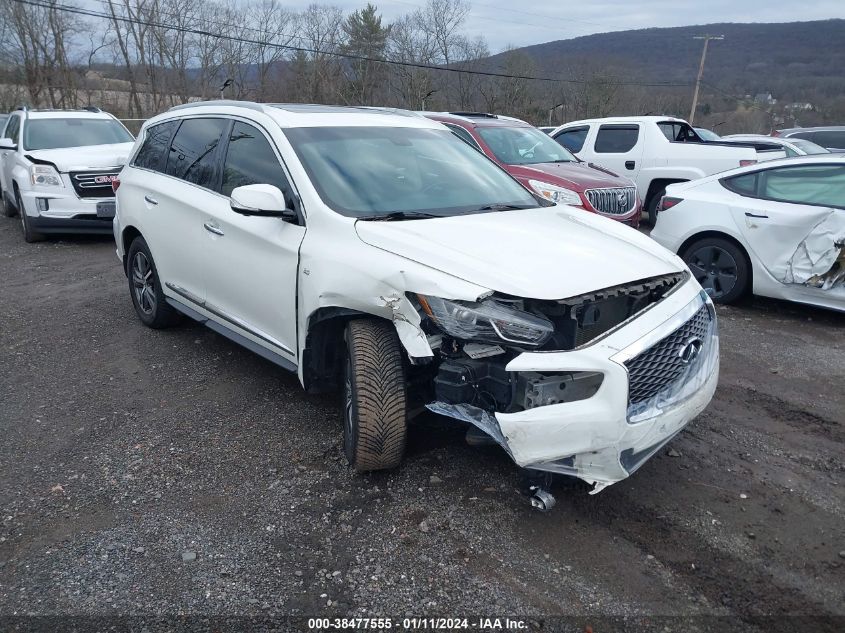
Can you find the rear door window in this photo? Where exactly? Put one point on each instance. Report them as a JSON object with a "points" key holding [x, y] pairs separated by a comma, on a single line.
{"points": [[826, 138], [573, 138], [822, 185], [153, 152], [617, 139], [193, 150]]}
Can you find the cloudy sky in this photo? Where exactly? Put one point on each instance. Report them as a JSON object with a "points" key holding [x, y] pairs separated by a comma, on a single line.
{"points": [[505, 22]]}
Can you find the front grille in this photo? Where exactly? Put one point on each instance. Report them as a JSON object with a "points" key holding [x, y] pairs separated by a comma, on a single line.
{"points": [[655, 369], [614, 201], [93, 184]]}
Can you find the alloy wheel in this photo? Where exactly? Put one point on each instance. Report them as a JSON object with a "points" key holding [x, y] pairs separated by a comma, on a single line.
{"points": [[715, 269], [143, 283]]}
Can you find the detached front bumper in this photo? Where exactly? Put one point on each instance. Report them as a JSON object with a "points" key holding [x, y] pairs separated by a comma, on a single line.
{"points": [[646, 398]]}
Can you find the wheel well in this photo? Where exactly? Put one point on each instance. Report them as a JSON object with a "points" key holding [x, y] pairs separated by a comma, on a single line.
{"points": [[324, 346], [128, 236], [723, 236], [656, 186]]}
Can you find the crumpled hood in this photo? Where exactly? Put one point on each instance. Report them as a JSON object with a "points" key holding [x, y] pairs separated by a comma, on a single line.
{"points": [[547, 253], [575, 176], [81, 158]]}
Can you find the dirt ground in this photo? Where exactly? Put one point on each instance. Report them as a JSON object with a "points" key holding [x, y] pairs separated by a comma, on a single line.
{"points": [[172, 473]]}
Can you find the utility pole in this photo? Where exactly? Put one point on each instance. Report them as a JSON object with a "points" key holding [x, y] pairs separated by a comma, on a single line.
{"points": [[706, 39]]}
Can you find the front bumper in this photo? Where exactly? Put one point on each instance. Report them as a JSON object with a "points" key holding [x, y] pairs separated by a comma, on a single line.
{"points": [[64, 213], [604, 438]]}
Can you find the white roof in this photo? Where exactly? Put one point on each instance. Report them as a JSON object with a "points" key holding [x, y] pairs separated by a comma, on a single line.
{"points": [[65, 114], [626, 119], [304, 115]]}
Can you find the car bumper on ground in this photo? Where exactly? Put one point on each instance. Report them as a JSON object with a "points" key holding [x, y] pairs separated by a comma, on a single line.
{"points": [[52, 213], [606, 437]]}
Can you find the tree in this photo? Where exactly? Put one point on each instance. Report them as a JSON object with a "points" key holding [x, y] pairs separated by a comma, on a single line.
{"points": [[365, 37]]}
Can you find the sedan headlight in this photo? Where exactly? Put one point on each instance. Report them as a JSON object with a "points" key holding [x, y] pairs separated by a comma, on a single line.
{"points": [[555, 193], [45, 176], [490, 321]]}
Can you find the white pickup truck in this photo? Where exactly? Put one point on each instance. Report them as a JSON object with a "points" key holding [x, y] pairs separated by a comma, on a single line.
{"points": [[653, 151]]}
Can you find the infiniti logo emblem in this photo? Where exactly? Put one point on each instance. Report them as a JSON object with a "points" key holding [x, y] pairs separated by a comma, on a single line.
{"points": [[690, 350]]}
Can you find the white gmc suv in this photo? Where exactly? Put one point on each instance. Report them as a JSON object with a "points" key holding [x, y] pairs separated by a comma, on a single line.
{"points": [[374, 251], [56, 168]]}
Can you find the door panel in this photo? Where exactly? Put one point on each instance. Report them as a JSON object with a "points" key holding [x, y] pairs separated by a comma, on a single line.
{"points": [[618, 147]]}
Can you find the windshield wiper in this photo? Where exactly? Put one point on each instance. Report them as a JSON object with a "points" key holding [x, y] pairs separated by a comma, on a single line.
{"points": [[400, 215], [504, 207]]}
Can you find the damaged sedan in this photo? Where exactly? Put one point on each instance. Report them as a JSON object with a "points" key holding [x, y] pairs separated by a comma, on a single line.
{"points": [[374, 253], [776, 229]]}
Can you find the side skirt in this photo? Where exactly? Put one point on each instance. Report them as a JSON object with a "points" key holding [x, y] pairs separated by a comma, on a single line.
{"points": [[252, 346]]}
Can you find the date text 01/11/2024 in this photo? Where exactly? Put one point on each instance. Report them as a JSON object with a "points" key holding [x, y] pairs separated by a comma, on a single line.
{"points": [[424, 623]]}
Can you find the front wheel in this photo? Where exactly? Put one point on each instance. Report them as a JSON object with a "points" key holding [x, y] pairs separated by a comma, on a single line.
{"points": [[374, 400], [720, 267], [145, 288], [30, 235]]}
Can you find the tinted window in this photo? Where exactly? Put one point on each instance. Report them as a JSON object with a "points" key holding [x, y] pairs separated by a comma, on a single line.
{"points": [[523, 146], [153, 152], [374, 171], [828, 139], [617, 139], [573, 139], [678, 132], [811, 184], [13, 128], [745, 185], [462, 134], [251, 160], [73, 132], [193, 149]]}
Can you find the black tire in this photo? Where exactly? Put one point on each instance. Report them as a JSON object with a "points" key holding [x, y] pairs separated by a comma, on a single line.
{"points": [[720, 266], [145, 288], [9, 209], [651, 211], [375, 424], [30, 235]]}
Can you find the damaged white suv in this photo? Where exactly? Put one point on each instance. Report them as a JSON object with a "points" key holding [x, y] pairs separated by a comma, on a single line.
{"points": [[374, 251]]}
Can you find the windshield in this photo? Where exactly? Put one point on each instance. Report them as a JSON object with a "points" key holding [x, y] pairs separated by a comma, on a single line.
{"points": [[75, 132], [370, 172], [524, 146], [808, 147], [706, 135]]}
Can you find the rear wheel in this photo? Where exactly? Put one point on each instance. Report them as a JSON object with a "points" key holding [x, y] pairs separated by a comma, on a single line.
{"points": [[374, 398], [720, 267], [145, 288], [30, 235], [652, 207]]}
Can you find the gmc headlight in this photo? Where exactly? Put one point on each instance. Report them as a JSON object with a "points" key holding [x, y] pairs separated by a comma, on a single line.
{"points": [[45, 176], [555, 193], [489, 320]]}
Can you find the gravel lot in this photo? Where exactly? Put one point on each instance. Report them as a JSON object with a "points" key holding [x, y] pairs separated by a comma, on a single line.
{"points": [[166, 473]]}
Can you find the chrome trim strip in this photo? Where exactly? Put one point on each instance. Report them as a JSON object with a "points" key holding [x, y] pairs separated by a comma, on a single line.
{"points": [[227, 317], [661, 331]]}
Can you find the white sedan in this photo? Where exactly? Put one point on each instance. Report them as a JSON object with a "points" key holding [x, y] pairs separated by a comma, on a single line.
{"points": [[776, 229], [792, 146]]}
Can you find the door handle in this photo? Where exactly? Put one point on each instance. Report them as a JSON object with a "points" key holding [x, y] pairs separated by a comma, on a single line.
{"points": [[213, 228], [630, 164], [150, 200], [755, 215]]}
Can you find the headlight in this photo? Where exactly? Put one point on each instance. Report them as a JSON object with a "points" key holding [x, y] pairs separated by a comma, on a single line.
{"points": [[555, 193], [489, 320], [45, 176]]}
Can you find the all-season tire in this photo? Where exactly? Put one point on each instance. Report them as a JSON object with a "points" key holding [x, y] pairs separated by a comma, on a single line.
{"points": [[651, 212], [30, 235], [145, 288], [720, 266], [374, 400]]}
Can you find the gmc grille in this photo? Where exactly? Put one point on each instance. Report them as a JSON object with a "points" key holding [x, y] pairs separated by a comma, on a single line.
{"points": [[656, 368], [93, 184], [614, 201]]}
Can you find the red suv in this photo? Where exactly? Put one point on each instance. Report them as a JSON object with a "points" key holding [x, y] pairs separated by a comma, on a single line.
{"points": [[543, 166]]}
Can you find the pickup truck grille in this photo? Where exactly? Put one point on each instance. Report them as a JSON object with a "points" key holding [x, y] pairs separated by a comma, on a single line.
{"points": [[93, 184], [656, 368], [613, 201]]}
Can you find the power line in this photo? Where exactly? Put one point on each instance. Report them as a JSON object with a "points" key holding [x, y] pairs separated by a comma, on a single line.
{"points": [[313, 51]]}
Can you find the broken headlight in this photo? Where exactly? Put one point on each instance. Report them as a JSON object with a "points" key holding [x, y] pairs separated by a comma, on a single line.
{"points": [[489, 320]]}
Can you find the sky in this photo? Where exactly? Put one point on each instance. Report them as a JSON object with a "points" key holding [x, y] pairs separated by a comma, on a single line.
{"points": [[511, 23]]}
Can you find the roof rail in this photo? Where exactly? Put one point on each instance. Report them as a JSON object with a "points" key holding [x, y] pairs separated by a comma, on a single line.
{"points": [[219, 102], [481, 115], [92, 109]]}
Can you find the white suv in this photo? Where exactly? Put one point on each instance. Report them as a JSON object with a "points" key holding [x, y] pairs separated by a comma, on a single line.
{"points": [[56, 168], [374, 251]]}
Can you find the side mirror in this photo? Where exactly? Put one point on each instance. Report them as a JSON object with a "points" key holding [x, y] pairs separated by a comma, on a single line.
{"points": [[7, 143], [262, 200]]}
